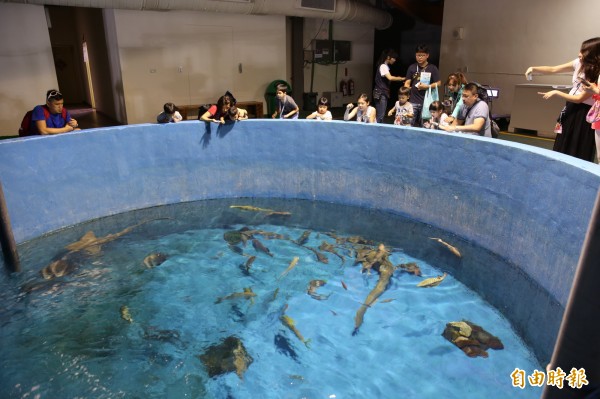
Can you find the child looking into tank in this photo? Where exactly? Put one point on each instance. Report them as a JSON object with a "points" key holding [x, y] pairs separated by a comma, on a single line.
{"points": [[170, 114], [438, 117], [322, 113], [237, 114], [363, 111], [403, 108]]}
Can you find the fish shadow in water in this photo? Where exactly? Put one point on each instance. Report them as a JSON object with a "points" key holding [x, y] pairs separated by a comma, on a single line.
{"points": [[441, 351], [283, 346]]}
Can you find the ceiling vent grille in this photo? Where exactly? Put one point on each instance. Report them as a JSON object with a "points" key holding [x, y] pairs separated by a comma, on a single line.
{"points": [[321, 5]]}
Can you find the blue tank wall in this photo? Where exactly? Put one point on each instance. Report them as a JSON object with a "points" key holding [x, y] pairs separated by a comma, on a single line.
{"points": [[528, 204]]}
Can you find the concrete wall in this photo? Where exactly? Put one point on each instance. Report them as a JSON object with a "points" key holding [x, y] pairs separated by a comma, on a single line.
{"points": [[25, 61], [193, 58], [503, 38], [526, 204]]}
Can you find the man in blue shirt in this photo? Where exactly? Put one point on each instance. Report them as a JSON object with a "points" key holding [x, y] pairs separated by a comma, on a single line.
{"points": [[52, 118]]}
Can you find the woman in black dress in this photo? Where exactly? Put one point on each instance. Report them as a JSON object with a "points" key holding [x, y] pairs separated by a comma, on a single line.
{"points": [[577, 137]]}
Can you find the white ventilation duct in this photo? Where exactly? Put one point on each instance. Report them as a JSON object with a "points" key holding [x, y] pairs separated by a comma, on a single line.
{"points": [[345, 10]]}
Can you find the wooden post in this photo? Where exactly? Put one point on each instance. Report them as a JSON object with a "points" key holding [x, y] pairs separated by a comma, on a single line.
{"points": [[7, 240]]}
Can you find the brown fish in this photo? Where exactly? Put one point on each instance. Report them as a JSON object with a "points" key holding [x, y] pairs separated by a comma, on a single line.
{"points": [[269, 235], [331, 249], [303, 239], [247, 294], [92, 245], [320, 256], [432, 282], [313, 285], [452, 249], [344, 285], [472, 339], [268, 212], [246, 265], [154, 259], [260, 247], [228, 356], [411, 268], [386, 270], [58, 268], [371, 258], [291, 324], [125, 315]]}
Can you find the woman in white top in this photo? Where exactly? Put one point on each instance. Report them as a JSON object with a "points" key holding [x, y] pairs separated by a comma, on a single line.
{"points": [[577, 137], [363, 112]]}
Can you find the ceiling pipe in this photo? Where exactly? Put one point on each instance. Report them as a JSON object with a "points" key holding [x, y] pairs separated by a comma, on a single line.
{"points": [[353, 11]]}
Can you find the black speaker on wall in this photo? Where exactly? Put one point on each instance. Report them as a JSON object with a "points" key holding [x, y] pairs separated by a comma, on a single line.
{"points": [[342, 50]]}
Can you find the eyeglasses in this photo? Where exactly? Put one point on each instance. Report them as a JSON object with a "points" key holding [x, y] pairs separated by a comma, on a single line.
{"points": [[53, 93]]}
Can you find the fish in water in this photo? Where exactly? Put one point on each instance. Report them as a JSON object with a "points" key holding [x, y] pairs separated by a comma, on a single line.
{"points": [[58, 268], [344, 285], [228, 356], [268, 212], [92, 245], [291, 324], [154, 259], [234, 237], [270, 235], [247, 294], [292, 264], [432, 282], [411, 268], [386, 270], [260, 247], [283, 346], [312, 289], [303, 239], [472, 339], [452, 248], [125, 315], [374, 258], [330, 248], [246, 266], [320, 256]]}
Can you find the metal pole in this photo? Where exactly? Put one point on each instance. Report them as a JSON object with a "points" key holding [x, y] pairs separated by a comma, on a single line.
{"points": [[7, 240], [578, 342]]}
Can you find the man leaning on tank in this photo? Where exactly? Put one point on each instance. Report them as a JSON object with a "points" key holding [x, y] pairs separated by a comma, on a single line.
{"points": [[55, 121]]}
